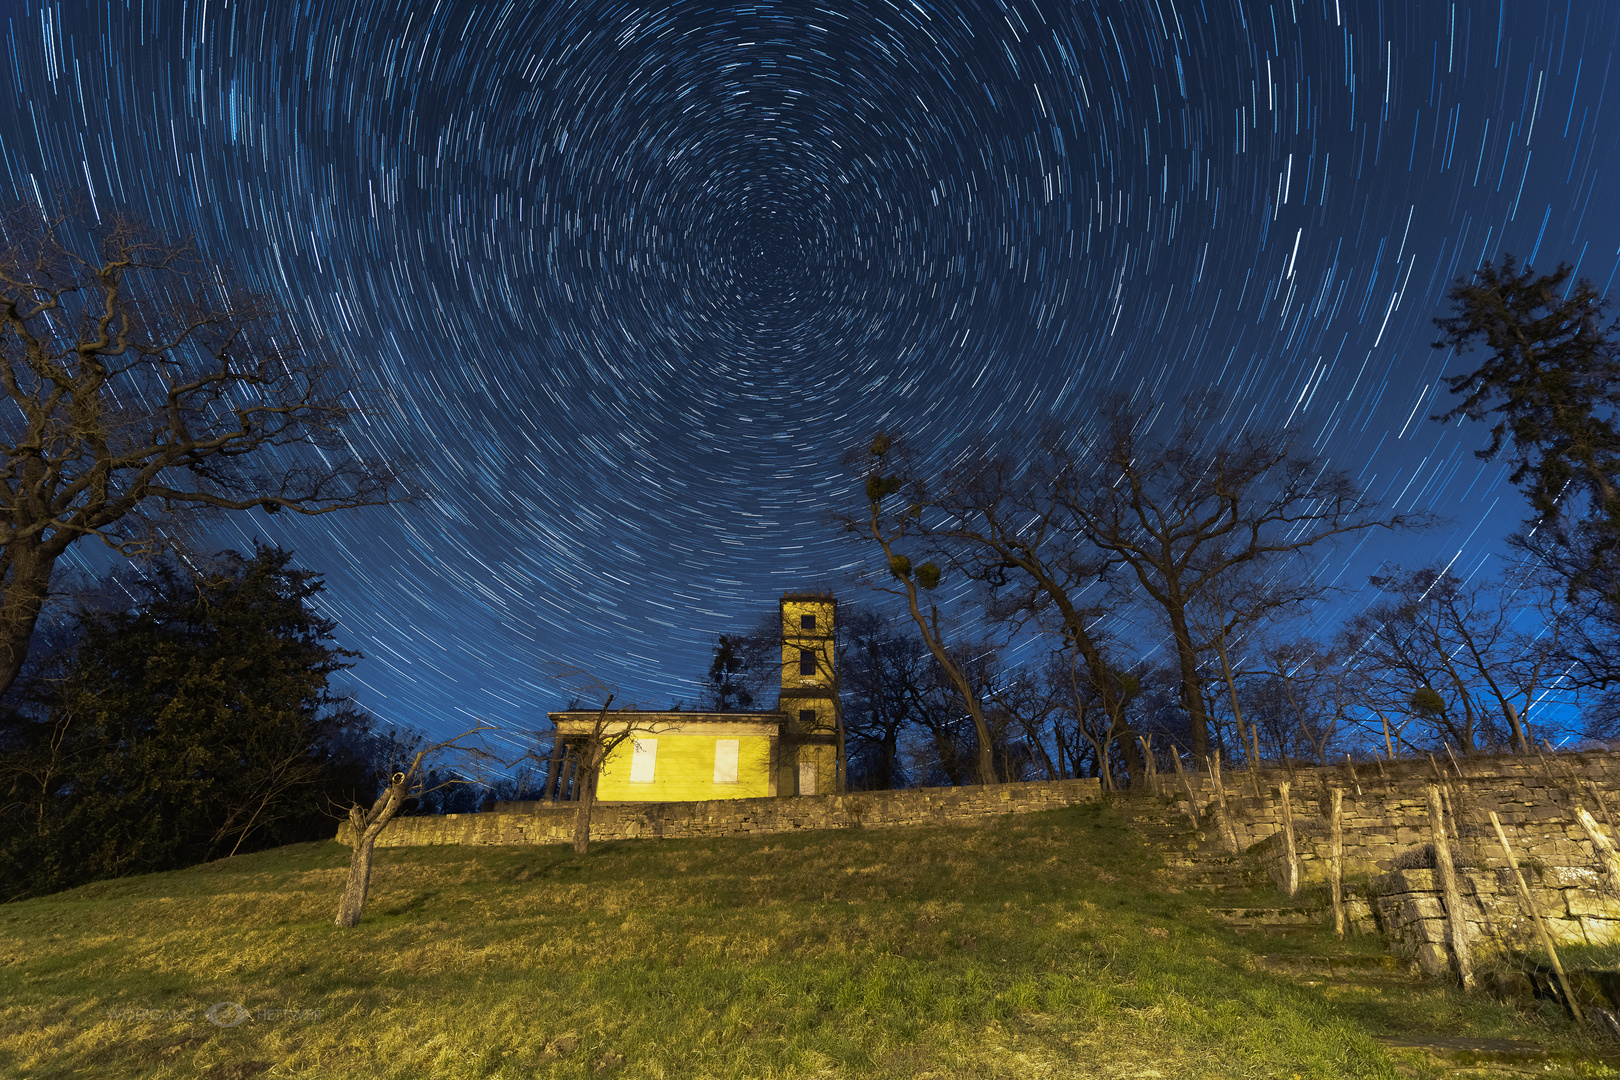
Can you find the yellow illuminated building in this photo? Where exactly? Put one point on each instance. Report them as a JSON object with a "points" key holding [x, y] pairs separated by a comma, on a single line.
{"points": [[681, 756]]}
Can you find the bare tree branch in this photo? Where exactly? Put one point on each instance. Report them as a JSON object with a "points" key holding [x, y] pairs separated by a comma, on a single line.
{"points": [[146, 392]]}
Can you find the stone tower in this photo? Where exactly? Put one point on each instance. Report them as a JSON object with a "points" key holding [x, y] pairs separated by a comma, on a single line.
{"points": [[809, 750]]}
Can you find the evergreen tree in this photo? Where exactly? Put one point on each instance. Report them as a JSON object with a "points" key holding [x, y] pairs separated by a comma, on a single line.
{"points": [[1549, 388], [725, 688], [194, 723]]}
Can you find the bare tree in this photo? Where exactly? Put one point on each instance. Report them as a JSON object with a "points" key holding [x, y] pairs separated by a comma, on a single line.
{"points": [[607, 730], [1187, 511], [1099, 697], [1002, 519], [1028, 712], [892, 533], [145, 391], [1301, 695], [410, 782], [1448, 655], [1231, 617], [885, 675]]}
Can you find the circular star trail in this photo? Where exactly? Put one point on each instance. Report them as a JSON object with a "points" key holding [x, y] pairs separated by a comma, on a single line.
{"points": [[626, 281]]}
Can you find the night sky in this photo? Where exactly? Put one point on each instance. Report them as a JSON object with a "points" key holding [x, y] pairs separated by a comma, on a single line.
{"points": [[630, 279]]}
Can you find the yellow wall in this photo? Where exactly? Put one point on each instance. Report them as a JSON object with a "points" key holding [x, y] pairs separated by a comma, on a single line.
{"points": [[685, 770], [825, 760], [819, 641], [813, 693]]}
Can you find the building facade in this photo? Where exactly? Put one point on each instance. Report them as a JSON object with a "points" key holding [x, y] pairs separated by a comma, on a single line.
{"points": [[681, 756]]}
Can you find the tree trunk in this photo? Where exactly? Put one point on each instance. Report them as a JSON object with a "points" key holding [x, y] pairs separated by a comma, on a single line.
{"points": [[585, 787], [958, 678], [547, 794], [27, 585], [1191, 688], [1237, 712], [891, 756], [1520, 743], [367, 827], [354, 893]]}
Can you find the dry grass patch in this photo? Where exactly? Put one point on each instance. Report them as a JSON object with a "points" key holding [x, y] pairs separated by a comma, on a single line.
{"points": [[1029, 947]]}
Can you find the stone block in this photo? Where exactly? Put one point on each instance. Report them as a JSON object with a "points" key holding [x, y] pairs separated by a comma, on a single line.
{"points": [[1600, 931], [1566, 931], [1434, 958], [1579, 902]]}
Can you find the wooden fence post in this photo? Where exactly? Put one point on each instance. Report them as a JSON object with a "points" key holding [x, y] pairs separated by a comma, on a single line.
{"points": [[1254, 760], [1336, 853], [1288, 838], [1535, 915], [1228, 831], [1192, 804], [1605, 848], [1456, 921], [1603, 805], [1149, 763]]}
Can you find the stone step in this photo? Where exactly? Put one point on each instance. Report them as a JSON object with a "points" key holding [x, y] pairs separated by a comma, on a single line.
{"points": [[1343, 964], [1463, 1057], [1291, 917], [1203, 872], [1214, 882]]}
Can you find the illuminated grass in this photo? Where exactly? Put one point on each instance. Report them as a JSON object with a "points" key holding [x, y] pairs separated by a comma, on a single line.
{"points": [[1033, 946]]}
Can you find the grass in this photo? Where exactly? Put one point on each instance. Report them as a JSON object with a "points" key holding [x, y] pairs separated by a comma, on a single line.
{"points": [[1044, 945]]}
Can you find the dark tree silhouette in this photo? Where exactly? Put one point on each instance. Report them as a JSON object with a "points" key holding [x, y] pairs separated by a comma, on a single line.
{"points": [[893, 532], [185, 726], [726, 686], [1186, 512], [145, 391], [1549, 387]]}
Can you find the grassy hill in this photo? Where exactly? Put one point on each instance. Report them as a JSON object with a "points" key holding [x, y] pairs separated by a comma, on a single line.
{"points": [[1045, 945]]}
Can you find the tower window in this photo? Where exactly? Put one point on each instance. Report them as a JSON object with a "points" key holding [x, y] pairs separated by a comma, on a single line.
{"points": [[807, 662], [807, 622], [807, 717]]}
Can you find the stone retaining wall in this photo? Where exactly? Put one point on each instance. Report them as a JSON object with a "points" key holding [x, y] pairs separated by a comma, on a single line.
{"points": [[1388, 853], [547, 823], [1578, 904], [1385, 812]]}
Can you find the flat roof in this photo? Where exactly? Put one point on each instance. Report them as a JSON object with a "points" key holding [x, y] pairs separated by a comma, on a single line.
{"points": [[769, 716]]}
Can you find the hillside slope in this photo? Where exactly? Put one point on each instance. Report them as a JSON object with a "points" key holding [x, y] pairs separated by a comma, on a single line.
{"points": [[1044, 945]]}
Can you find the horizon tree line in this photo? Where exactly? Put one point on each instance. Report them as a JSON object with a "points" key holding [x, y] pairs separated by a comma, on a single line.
{"points": [[1169, 577]]}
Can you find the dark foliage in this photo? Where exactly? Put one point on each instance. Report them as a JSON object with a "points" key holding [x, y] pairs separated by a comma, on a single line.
{"points": [[1549, 387], [141, 392], [726, 687], [191, 724]]}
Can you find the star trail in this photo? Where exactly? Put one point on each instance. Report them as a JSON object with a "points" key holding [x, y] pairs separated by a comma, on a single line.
{"points": [[626, 281]]}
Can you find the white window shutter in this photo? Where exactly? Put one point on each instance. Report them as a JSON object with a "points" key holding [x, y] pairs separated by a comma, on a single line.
{"points": [[643, 759], [725, 761]]}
